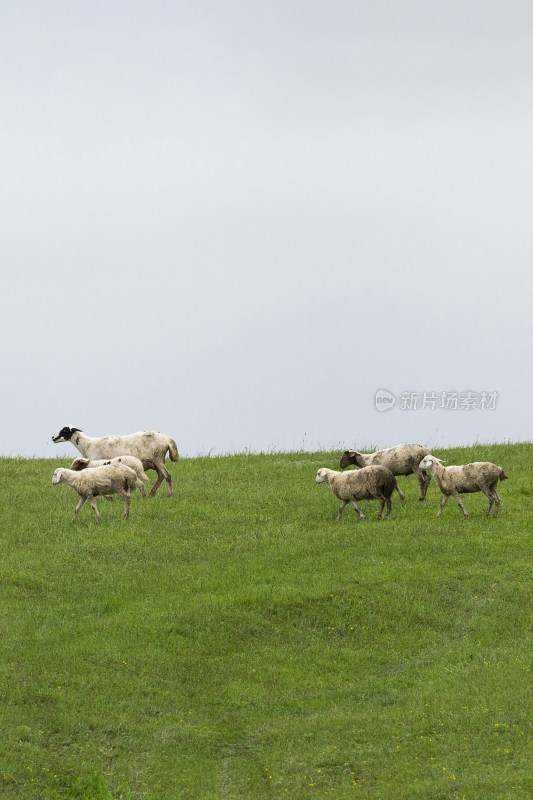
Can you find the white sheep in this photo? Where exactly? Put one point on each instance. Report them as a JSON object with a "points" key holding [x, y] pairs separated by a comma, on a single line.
{"points": [[106, 480], [404, 459], [480, 476], [149, 446], [370, 483], [128, 461]]}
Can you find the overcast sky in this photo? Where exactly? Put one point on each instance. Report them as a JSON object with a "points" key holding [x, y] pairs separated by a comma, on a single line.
{"points": [[234, 222]]}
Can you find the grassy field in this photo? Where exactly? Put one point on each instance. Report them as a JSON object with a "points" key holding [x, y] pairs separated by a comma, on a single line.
{"points": [[232, 641]]}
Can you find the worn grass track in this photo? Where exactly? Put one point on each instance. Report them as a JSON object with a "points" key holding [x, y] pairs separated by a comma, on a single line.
{"points": [[234, 642]]}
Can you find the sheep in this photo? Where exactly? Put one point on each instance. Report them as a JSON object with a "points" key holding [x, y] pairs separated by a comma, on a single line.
{"points": [[404, 459], [344, 462], [150, 447], [370, 483], [480, 476], [109, 479], [129, 461]]}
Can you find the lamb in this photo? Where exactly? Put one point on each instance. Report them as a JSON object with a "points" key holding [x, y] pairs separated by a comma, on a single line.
{"points": [[404, 459], [370, 483], [150, 447], [480, 476], [129, 461], [109, 479]]}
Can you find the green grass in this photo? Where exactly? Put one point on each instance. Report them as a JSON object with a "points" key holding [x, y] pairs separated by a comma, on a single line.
{"points": [[232, 641]]}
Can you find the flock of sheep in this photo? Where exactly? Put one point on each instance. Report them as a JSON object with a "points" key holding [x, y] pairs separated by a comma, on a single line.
{"points": [[116, 465], [376, 478]]}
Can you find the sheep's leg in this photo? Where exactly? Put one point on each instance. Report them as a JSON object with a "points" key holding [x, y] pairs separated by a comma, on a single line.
{"points": [[490, 494], [341, 509], [127, 504], [79, 508], [381, 506], [158, 482], [496, 502], [389, 507], [494, 498], [461, 506], [95, 509], [162, 472], [443, 503], [354, 504], [397, 487], [168, 478], [125, 495], [423, 481]]}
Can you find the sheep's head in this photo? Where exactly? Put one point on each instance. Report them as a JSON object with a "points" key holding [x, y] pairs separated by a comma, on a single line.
{"points": [[349, 457], [79, 463], [56, 477], [321, 475], [429, 461], [65, 434]]}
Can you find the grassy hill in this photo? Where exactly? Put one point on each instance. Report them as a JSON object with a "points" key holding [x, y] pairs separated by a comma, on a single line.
{"points": [[232, 641]]}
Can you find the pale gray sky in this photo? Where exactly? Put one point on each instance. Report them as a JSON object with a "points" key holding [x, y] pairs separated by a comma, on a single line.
{"points": [[234, 222]]}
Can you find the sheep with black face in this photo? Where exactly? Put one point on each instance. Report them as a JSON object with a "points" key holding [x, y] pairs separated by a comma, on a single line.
{"points": [[404, 459]]}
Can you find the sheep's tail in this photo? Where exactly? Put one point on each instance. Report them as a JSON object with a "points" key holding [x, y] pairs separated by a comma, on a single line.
{"points": [[503, 476], [396, 487], [130, 481], [173, 449]]}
